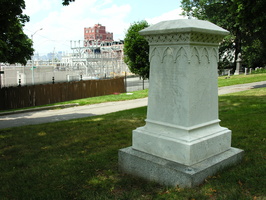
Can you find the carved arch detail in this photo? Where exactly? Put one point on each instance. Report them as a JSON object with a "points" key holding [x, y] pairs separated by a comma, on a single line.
{"points": [[195, 52], [167, 51], [205, 52], [215, 54], [153, 52], [179, 52], [175, 52]]}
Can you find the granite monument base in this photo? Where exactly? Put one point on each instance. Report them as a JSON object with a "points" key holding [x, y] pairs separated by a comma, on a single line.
{"points": [[171, 173]]}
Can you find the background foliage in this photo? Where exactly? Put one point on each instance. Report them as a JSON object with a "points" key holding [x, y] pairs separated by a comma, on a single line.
{"points": [[136, 50], [245, 19], [15, 46]]}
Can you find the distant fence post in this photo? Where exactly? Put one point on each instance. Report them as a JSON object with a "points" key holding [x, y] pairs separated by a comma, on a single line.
{"points": [[1, 72]]}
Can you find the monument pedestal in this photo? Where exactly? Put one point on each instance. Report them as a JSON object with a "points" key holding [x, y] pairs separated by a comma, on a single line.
{"points": [[169, 173], [186, 146], [182, 142]]}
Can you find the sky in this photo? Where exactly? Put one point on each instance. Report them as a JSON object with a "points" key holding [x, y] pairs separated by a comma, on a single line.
{"points": [[52, 25]]}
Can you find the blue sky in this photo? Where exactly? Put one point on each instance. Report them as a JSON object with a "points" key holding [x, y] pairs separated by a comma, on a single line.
{"points": [[61, 24]]}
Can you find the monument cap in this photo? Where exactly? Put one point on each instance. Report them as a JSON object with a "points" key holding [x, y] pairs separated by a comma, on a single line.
{"points": [[182, 26]]}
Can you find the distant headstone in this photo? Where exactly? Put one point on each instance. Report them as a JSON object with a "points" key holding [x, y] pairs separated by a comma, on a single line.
{"points": [[182, 142], [238, 64], [246, 71]]}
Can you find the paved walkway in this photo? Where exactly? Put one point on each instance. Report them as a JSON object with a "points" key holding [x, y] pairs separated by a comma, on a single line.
{"points": [[45, 116]]}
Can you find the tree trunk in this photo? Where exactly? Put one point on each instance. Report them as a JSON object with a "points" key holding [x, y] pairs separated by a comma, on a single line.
{"points": [[237, 46]]}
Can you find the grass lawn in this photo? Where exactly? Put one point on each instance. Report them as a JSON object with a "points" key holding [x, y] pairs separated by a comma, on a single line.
{"points": [[240, 79], [113, 97], [78, 159]]}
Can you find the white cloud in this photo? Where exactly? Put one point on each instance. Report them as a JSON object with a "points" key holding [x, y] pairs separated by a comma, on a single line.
{"points": [[116, 23], [64, 23], [33, 7], [172, 15], [67, 22]]}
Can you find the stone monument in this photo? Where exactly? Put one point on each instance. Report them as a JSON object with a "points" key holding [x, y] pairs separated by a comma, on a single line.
{"points": [[182, 142], [238, 64]]}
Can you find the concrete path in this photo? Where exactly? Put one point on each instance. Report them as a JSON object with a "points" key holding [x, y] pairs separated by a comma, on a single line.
{"points": [[45, 116], [241, 87]]}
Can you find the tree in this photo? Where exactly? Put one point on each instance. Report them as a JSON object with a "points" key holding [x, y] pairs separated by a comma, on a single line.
{"points": [[66, 2], [15, 46], [218, 12], [136, 50], [244, 19], [251, 14]]}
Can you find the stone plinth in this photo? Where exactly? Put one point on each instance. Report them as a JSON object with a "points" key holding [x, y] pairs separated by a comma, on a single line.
{"points": [[182, 125]]}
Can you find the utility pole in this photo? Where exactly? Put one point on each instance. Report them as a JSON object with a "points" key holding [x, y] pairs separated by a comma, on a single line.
{"points": [[32, 62]]}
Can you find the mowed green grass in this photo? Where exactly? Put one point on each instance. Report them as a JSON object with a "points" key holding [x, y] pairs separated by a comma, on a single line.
{"points": [[240, 79], [78, 159]]}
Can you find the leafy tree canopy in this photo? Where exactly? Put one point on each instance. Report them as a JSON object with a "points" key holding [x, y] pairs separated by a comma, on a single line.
{"points": [[245, 19], [66, 2], [15, 46], [136, 49]]}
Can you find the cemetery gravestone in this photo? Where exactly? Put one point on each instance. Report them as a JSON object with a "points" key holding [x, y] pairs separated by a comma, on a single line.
{"points": [[246, 71], [182, 142], [238, 64]]}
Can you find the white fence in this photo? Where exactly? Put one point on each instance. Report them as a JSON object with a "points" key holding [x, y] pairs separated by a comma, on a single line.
{"points": [[15, 75]]}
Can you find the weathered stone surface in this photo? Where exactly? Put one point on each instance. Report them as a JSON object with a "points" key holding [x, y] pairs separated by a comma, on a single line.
{"points": [[182, 123], [171, 173], [184, 25]]}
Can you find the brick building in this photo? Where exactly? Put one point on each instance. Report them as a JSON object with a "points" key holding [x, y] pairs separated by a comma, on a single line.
{"points": [[97, 33]]}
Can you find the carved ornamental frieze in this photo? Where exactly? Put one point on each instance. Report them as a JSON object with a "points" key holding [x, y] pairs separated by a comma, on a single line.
{"points": [[189, 43], [183, 38]]}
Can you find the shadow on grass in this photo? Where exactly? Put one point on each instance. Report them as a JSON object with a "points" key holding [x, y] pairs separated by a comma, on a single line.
{"points": [[260, 86], [77, 159]]}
